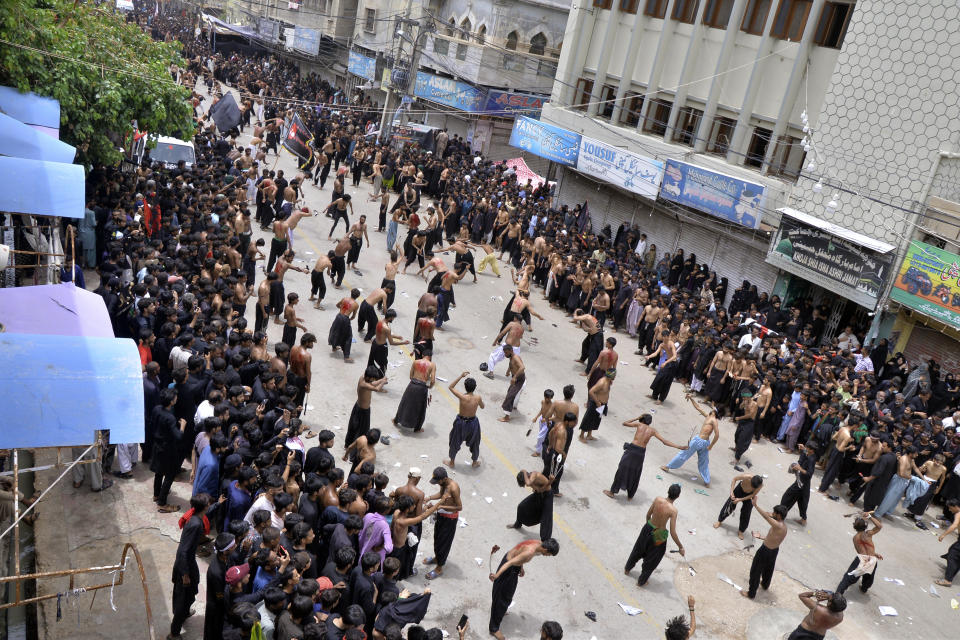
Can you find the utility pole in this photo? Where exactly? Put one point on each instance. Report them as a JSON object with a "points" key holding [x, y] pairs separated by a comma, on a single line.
{"points": [[403, 76]]}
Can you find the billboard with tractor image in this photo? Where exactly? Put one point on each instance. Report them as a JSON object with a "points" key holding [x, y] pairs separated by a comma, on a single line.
{"points": [[929, 281]]}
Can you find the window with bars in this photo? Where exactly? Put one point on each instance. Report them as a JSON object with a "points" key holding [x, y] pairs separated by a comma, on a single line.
{"points": [[758, 147], [717, 13], [441, 45], [370, 21], [721, 135], [511, 61], [685, 10], [688, 120], [538, 44], [832, 26], [658, 114], [632, 108], [755, 17], [655, 8], [607, 100], [582, 94], [791, 19], [629, 6]]}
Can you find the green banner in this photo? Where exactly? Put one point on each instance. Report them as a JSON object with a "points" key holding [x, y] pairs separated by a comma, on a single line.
{"points": [[929, 281]]}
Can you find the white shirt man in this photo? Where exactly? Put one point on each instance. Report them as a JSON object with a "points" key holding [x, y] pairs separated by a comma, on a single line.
{"points": [[751, 340], [847, 341], [641, 248]]}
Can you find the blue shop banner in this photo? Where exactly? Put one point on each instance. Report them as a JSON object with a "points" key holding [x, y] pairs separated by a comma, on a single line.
{"points": [[360, 65], [715, 193], [625, 169], [508, 103], [546, 141], [449, 92], [306, 40]]}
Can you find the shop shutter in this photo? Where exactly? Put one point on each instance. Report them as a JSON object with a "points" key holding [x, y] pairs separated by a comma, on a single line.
{"points": [[699, 240], [927, 343], [738, 261]]}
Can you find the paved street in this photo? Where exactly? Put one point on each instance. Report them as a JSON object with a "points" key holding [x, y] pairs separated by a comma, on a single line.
{"points": [[595, 533]]}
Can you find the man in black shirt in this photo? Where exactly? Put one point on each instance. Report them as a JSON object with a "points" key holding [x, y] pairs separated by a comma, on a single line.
{"points": [[186, 573]]}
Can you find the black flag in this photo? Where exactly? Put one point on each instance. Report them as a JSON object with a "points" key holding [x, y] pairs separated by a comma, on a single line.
{"points": [[297, 139], [226, 113]]}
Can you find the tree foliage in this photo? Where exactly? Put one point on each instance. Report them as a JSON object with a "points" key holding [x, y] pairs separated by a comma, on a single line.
{"points": [[104, 71]]}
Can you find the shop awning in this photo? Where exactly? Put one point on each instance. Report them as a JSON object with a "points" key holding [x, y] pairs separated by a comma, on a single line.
{"points": [[42, 188], [835, 230], [69, 376], [23, 141], [842, 261], [54, 309], [37, 111]]}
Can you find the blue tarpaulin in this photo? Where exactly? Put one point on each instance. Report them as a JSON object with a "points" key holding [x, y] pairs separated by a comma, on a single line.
{"points": [[18, 139], [41, 188], [57, 309]]}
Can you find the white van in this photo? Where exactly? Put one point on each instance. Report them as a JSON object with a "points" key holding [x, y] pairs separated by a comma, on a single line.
{"points": [[170, 151]]}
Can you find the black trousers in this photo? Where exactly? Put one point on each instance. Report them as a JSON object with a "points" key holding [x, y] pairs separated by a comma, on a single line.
{"points": [[746, 508], [549, 456], [504, 587], [337, 214], [161, 485], [318, 285], [646, 549], [339, 268], [761, 569], [184, 595], [832, 469], [277, 249], [367, 316], [262, 319], [797, 496], [742, 438], [444, 531], [866, 580], [953, 561]]}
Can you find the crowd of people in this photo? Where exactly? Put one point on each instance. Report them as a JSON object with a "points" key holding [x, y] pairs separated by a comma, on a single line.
{"points": [[302, 547]]}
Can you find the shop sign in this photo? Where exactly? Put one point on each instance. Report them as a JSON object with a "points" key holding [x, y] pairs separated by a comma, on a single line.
{"points": [[545, 140], [360, 65], [837, 259], [715, 193], [929, 281], [619, 167]]}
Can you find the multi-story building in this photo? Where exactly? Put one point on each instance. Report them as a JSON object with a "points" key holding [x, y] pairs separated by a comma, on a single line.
{"points": [[792, 143], [479, 61]]}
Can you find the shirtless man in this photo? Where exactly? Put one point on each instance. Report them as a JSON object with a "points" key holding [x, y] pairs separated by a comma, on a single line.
{"points": [[241, 293], [379, 349], [489, 258], [592, 343], [743, 489], [518, 378], [407, 518], [746, 424], [764, 399], [318, 286], [601, 305], [341, 332], [437, 265], [512, 335], [412, 410], [520, 305], [699, 443], [537, 508], [339, 260], [648, 322], [765, 559], [278, 244], [284, 264], [263, 302], [557, 445], [445, 296], [717, 372], [652, 541], [357, 234], [300, 374], [290, 320], [608, 359], [510, 239], [359, 423], [363, 449], [298, 214], [631, 463], [596, 406], [561, 408], [842, 443], [826, 612], [466, 427], [866, 561], [509, 572], [252, 255], [389, 283], [546, 408], [448, 513], [337, 210], [367, 316], [953, 553]]}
